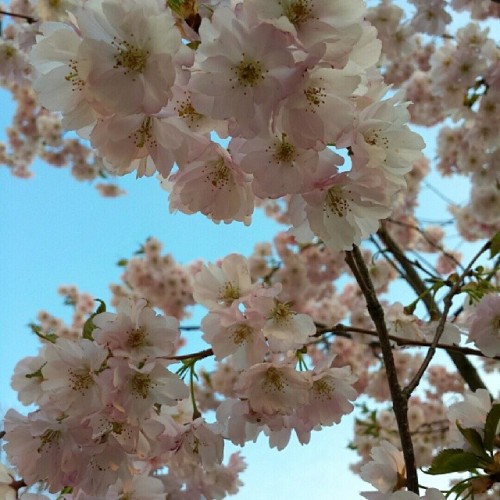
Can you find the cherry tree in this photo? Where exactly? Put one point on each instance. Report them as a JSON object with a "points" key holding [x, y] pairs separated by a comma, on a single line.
{"points": [[304, 109]]}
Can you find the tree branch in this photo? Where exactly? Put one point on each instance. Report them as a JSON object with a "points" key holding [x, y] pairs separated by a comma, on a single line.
{"points": [[28, 19], [355, 261], [341, 329], [466, 369]]}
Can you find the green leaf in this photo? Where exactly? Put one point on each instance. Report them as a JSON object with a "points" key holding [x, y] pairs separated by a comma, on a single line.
{"points": [[475, 440], [490, 427], [453, 460], [460, 487], [89, 326], [122, 262], [37, 330], [194, 44], [175, 5], [37, 374], [495, 245]]}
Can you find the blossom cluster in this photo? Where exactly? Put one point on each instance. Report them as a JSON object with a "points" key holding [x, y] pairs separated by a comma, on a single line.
{"points": [[108, 401], [148, 91], [110, 412]]}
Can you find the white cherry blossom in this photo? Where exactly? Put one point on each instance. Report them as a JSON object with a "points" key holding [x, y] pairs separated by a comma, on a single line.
{"points": [[484, 328], [272, 388], [213, 185]]}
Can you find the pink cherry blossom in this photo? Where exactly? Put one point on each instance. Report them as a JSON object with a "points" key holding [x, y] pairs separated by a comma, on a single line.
{"points": [[247, 80], [387, 471], [220, 285], [272, 388], [136, 332], [213, 185], [131, 51], [231, 333], [484, 328]]}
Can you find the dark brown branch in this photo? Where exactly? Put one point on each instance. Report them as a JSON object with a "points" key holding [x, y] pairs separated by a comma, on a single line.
{"points": [[343, 330], [466, 369], [198, 355], [28, 19], [358, 267]]}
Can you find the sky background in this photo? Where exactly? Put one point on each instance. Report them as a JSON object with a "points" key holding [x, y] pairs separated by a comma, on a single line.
{"points": [[55, 230]]}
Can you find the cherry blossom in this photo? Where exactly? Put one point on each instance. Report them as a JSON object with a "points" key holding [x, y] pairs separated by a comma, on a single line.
{"points": [[387, 471], [485, 325], [222, 284], [213, 185], [274, 388]]}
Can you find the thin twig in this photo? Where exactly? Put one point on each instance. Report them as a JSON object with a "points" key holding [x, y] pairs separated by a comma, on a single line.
{"points": [[427, 239], [358, 267], [341, 329], [28, 19], [466, 369], [198, 355], [384, 252], [448, 301]]}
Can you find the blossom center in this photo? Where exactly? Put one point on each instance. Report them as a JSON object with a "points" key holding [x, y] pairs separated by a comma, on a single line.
{"points": [[298, 12], [49, 437], [322, 389], [186, 110], [249, 73], [136, 338], [143, 134], [315, 96], [219, 173], [281, 312], [228, 293], [8, 51], [73, 77], [141, 384], [241, 333], [273, 380], [285, 151], [129, 57], [376, 138], [496, 324], [80, 382], [335, 202]]}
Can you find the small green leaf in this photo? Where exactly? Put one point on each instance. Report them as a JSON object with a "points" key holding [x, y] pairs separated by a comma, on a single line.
{"points": [[475, 440], [89, 326], [410, 308], [37, 330], [194, 44], [175, 5], [122, 262], [37, 374], [495, 245], [453, 460], [460, 487], [490, 427], [101, 308]]}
